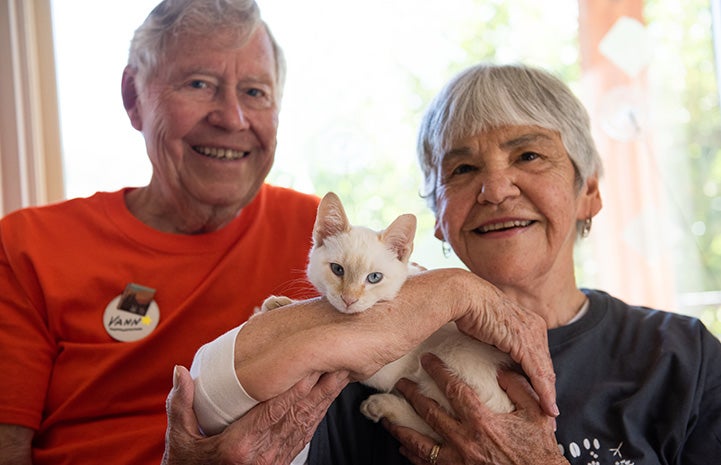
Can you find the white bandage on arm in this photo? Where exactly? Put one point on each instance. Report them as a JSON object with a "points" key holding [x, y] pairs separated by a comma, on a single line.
{"points": [[219, 397]]}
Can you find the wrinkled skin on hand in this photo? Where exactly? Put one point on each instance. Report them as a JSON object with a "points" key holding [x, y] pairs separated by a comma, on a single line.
{"points": [[521, 334], [273, 432], [478, 436], [320, 335]]}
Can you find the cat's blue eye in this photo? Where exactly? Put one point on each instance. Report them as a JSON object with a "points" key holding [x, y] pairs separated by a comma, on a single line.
{"points": [[337, 269], [374, 277]]}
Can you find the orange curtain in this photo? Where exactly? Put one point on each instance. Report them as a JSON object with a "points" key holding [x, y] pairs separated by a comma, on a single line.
{"points": [[630, 236]]}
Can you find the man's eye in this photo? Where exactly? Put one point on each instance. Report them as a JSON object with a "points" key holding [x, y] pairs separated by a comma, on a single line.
{"points": [[255, 93], [198, 84]]}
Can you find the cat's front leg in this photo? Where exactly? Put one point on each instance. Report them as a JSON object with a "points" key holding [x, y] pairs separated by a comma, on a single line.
{"points": [[275, 301], [397, 410]]}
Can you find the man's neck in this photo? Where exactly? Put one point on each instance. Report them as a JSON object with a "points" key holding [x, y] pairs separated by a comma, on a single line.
{"points": [[177, 217]]}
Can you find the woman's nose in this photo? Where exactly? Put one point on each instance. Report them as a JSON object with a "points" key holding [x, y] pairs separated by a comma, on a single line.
{"points": [[496, 187]]}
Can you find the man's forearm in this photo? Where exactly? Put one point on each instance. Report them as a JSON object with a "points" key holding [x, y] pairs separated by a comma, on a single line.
{"points": [[276, 349]]}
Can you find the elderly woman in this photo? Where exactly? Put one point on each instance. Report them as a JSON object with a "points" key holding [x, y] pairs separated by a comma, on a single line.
{"points": [[511, 173]]}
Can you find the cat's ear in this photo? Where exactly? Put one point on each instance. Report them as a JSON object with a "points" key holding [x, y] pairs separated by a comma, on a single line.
{"points": [[399, 236], [331, 219]]}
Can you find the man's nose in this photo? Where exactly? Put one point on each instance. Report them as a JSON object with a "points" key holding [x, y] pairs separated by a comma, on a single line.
{"points": [[229, 114]]}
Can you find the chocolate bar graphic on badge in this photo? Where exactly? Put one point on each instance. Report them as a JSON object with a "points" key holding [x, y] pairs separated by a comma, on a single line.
{"points": [[136, 299]]}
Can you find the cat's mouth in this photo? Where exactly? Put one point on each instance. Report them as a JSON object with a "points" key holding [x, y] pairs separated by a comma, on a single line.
{"points": [[503, 226], [220, 153]]}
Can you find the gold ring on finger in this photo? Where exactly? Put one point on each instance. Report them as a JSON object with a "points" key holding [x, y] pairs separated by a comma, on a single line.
{"points": [[433, 456]]}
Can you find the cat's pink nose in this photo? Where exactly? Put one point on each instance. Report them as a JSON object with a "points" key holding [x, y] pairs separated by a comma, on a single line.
{"points": [[348, 301]]}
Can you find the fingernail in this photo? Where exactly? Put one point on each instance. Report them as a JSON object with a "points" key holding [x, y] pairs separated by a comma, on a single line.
{"points": [[176, 376], [556, 412]]}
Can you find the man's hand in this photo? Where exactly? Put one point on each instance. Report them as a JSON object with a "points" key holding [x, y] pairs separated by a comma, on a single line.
{"points": [[478, 435], [273, 432]]}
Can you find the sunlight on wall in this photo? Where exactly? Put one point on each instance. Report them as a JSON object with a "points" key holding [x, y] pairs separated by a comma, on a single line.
{"points": [[101, 150], [354, 74]]}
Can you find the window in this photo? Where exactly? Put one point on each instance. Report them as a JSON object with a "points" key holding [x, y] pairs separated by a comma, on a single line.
{"points": [[361, 74]]}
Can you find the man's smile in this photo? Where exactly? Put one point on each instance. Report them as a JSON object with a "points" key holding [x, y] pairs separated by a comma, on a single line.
{"points": [[220, 153]]}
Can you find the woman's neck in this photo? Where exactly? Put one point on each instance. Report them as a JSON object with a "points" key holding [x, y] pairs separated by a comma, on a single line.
{"points": [[557, 306]]}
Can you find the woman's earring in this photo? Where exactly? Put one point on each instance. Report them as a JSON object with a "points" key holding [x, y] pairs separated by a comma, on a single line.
{"points": [[446, 249], [586, 230]]}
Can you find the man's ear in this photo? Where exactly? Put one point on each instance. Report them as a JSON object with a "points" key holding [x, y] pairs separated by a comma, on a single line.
{"points": [[131, 102], [591, 198]]}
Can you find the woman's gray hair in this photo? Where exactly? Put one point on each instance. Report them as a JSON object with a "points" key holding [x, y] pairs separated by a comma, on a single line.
{"points": [[488, 96], [171, 18]]}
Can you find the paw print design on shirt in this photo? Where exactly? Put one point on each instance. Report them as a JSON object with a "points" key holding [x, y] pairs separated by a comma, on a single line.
{"points": [[589, 452]]}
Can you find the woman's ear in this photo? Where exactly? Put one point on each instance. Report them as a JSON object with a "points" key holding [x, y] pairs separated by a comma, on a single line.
{"points": [[590, 199], [131, 101], [437, 232]]}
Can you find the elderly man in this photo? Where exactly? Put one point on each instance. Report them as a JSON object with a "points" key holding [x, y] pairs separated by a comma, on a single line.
{"points": [[102, 297]]}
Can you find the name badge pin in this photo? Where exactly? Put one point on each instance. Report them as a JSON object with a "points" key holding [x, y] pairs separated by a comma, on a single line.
{"points": [[132, 315]]}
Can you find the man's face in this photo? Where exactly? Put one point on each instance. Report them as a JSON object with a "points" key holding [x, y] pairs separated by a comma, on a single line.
{"points": [[209, 115]]}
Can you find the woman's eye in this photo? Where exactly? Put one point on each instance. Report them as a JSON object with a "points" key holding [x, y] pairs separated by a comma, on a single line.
{"points": [[374, 277], [462, 169], [529, 156], [337, 269]]}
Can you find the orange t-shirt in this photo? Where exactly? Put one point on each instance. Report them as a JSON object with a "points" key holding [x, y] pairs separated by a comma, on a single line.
{"points": [[91, 398]]}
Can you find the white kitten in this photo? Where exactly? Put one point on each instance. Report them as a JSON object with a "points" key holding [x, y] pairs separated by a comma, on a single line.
{"points": [[354, 267]]}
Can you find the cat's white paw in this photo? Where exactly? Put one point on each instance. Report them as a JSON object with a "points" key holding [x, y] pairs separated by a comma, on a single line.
{"points": [[377, 406], [275, 301], [397, 410]]}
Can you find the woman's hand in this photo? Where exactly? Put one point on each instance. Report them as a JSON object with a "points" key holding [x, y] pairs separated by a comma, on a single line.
{"points": [[495, 319], [478, 435], [273, 432]]}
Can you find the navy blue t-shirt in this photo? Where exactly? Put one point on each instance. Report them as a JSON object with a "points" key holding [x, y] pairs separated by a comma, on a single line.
{"points": [[635, 386]]}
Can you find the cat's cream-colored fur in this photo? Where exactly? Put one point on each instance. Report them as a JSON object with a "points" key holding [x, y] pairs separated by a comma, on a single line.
{"points": [[354, 267]]}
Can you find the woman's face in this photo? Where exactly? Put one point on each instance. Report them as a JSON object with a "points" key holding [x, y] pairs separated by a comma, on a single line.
{"points": [[508, 205], [209, 116]]}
